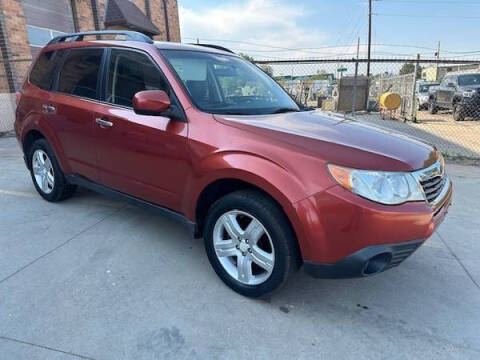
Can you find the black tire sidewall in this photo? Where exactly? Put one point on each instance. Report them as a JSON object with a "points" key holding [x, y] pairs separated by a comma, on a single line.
{"points": [[59, 179], [458, 113], [268, 214]]}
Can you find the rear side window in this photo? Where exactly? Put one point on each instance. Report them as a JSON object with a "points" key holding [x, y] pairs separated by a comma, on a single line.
{"points": [[79, 74], [131, 72], [42, 74]]}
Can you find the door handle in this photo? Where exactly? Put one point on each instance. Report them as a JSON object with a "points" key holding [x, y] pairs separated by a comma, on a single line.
{"points": [[48, 108], [103, 123]]}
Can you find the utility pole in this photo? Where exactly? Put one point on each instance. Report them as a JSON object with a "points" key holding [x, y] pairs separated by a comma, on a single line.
{"points": [[354, 95], [438, 62], [367, 95], [369, 36], [414, 105]]}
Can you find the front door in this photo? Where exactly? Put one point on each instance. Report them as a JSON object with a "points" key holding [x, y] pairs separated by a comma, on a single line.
{"points": [[141, 155], [444, 91]]}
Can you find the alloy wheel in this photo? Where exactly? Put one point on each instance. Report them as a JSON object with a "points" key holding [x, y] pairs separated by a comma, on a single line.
{"points": [[43, 171], [243, 247]]}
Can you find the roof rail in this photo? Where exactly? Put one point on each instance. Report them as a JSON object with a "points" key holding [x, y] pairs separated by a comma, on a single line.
{"points": [[130, 35], [218, 47]]}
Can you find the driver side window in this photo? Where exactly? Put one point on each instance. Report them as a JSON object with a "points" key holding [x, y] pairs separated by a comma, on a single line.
{"points": [[130, 72], [445, 81]]}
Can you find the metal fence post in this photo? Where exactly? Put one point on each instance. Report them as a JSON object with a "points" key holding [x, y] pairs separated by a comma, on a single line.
{"points": [[354, 94], [413, 113], [5, 50]]}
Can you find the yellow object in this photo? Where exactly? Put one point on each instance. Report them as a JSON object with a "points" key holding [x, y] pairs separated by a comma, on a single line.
{"points": [[390, 101]]}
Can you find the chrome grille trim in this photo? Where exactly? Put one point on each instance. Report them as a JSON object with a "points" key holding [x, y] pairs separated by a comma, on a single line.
{"points": [[433, 181]]}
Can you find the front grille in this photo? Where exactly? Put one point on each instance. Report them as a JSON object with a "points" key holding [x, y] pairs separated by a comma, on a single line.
{"points": [[401, 252], [432, 187], [432, 179]]}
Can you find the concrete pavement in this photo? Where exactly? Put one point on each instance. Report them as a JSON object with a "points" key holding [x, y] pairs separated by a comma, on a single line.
{"points": [[99, 279]]}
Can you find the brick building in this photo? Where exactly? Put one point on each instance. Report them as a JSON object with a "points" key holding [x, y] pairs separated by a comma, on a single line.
{"points": [[27, 25]]}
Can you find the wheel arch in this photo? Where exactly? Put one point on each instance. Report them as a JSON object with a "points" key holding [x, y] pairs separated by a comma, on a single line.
{"points": [[37, 128], [224, 186], [30, 137]]}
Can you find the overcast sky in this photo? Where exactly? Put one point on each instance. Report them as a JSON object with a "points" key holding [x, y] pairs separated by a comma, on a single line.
{"points": [[263, 28]]}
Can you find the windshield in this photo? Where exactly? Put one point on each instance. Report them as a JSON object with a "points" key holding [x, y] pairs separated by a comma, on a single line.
{"points": [[468, 80], [424, 88], [224, 84]]}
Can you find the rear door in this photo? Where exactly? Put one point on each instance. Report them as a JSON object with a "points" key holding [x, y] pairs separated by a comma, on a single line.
{"points": [[72, 108], [451, 90], [141, 155], [444, 91]]}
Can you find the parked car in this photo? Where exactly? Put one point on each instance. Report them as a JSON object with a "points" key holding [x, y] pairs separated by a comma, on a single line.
{"points": [[422, 91], [268, 186], [459, 93]]}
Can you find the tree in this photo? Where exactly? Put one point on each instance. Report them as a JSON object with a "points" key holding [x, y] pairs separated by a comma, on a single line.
{"points": [[320, 75], [246, 57], [266, 68], [409, 68]]}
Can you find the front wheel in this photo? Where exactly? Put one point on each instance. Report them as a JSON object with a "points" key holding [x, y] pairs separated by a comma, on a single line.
{"points": [[250, 243]]}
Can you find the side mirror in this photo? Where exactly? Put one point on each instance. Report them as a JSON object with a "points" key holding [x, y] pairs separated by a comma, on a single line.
{"points": [[151, 102]]}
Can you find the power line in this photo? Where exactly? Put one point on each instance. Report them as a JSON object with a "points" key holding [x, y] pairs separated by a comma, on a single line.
{"points": [[279, 49], [428, 16], [427, 2], [313, 48]]}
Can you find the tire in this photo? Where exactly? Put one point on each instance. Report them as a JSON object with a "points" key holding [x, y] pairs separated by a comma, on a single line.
{"points": [[235, 212], [459, 113], [47, 177], [432, 109]]}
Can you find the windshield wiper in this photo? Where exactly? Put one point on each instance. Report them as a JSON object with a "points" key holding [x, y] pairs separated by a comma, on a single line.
{"points": [[230, 113], [284, 110]]}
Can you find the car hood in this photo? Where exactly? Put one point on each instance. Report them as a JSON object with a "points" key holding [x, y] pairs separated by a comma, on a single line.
{"points": [[339, 140], [470, 87]]}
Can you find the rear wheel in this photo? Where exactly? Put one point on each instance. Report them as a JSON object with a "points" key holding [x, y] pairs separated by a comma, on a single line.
{"points": [[47, 176], [250, 243]]}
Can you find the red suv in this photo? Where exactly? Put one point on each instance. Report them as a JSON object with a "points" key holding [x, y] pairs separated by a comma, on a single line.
{"points": [[201, 135]]}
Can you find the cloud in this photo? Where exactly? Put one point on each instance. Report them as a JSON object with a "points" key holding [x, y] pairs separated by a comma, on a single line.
{"points": [[263, 22]]}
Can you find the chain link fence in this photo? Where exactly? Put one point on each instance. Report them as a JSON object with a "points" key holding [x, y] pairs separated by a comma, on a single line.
{"points": [[12, 73], [13, 69], [438, 100], [441, 104]]}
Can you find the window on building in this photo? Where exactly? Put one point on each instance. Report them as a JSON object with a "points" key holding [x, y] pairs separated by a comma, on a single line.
{"points": [[79, 74], [131, 72], [42, 74], [39, 37]]}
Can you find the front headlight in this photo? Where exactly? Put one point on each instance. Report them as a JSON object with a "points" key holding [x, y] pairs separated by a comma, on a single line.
{"points": [[389, 188], [468, 93]]}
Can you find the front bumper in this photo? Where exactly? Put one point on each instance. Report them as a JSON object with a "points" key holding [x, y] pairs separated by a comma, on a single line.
{"points": [[365, 262], [471, 106], [348, 236]]}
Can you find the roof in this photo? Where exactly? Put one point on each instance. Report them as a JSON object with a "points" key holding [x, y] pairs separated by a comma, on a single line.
{"points": [[164, 45], [125, 13]]}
